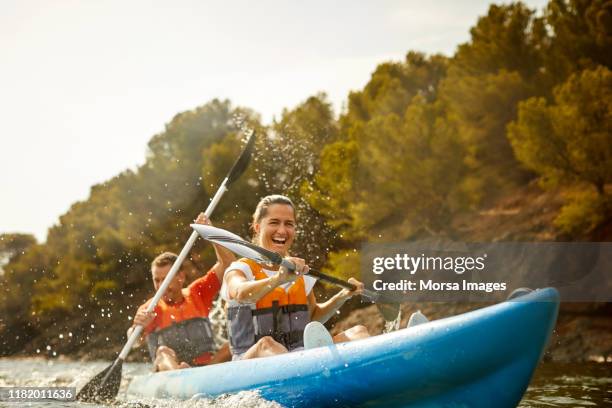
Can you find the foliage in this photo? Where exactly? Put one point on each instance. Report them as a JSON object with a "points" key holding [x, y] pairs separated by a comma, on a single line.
{"points": [[344, 264], [580, 37], [364, 174], [393, 85], [571, 141], [487, 77], [12, 246], [584, 211]]}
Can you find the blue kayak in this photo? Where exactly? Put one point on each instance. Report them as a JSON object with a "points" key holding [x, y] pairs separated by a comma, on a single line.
{"points": [[484, 358]]}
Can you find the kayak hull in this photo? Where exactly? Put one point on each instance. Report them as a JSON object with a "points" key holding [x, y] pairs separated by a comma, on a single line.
{"points": [[482, 358]]}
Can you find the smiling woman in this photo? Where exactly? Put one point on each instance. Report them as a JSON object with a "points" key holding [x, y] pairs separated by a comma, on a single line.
{"points": [[278, 230], [281, 302]]}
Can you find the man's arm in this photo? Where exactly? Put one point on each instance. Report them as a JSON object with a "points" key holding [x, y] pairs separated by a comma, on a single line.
{"points": [[224, 256]]}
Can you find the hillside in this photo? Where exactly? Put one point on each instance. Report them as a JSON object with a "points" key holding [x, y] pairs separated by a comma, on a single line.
{"points": [[583, 331]]}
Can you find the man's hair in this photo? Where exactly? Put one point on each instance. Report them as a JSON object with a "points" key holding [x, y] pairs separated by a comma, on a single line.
{"points": [[167, 258]]}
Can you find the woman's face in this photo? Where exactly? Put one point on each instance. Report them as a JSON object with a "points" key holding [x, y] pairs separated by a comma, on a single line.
{"points": [[276, 230]]}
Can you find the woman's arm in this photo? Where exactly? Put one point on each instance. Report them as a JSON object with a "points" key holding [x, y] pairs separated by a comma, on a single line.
{"points": [[242, 290], [322, 312]]}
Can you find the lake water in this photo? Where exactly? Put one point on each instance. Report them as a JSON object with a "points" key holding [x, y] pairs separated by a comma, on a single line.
{"points": [[554, 385]]}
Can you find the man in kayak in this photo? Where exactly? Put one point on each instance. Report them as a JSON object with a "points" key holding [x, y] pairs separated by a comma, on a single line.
{"points": [[178, 331], [275, 311]]}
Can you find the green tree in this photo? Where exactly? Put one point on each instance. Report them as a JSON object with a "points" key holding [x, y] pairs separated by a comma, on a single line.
{"points": [[580, 36], [340, 190], [14, 245], [507, 38], [569, 141], [413, 162], [482, 106], [393, 85], [23, 265], [487, 77]]}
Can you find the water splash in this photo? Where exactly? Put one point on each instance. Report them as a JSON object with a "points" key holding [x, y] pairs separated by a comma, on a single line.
{"points": [[245, 399], [218, 319], [393, 325]]}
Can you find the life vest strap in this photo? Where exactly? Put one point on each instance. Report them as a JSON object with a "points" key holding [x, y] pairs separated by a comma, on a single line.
{"points": [[284, 338], [188, 338], [284, 309]]}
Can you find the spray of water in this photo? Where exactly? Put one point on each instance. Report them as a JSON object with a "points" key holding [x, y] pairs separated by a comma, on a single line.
{"points": [[218, 319], [394, 325]]}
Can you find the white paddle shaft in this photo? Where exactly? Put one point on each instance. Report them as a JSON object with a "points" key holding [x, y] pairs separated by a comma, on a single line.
{"points": [[173, 270]]}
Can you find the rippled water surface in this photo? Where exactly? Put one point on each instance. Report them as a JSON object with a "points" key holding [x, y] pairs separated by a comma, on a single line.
{"points": [[565, 385], [554, 385]]}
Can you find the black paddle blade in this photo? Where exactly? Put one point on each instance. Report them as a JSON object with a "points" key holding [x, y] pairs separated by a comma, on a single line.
{"points": [[242, 162], [388, 307], [389, 311], [104, 386]]}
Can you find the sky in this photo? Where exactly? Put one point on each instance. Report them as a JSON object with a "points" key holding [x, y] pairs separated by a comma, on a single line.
{"points": [[84, 85]]}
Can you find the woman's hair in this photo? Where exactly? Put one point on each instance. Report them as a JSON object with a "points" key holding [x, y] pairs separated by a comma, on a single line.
{"points": [[264, 204]]}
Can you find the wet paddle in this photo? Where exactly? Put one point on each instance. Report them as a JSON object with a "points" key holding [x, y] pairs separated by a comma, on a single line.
{"points": [[105, 385], [388, 308]]}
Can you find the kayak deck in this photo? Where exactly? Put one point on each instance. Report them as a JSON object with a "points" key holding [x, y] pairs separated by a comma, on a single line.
{"points": [[482, 358]]}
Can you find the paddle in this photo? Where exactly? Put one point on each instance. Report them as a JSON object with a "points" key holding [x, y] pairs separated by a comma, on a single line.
{"points": [[265, 257], [105, 385]]}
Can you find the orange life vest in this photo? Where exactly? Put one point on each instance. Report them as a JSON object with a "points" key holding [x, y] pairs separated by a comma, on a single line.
{"points": [[281, 314], [185, 327]]}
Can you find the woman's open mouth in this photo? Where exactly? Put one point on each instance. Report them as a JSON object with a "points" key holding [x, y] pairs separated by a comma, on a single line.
{"points": [[279, 241]]}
